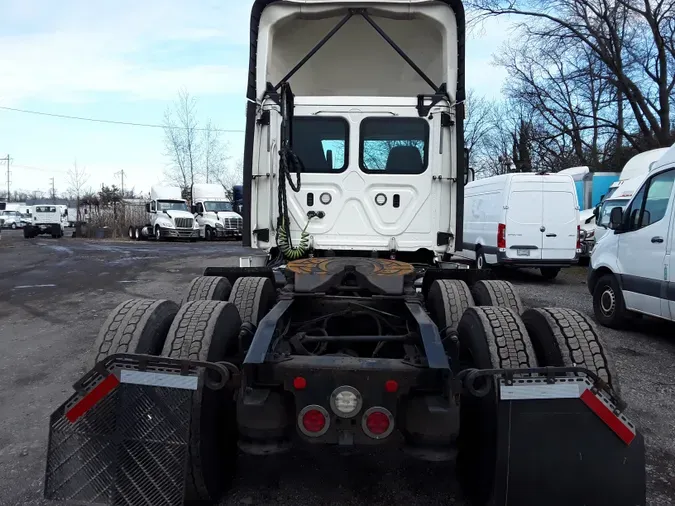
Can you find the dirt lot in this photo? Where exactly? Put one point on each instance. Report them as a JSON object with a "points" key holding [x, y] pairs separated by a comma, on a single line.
{"points": [[54, 295]]}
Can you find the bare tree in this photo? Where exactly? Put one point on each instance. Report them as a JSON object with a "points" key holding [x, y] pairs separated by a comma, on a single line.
{"points": [[230, 177], [182, 143], [215, 153], [631, 41], [478, 121], [77, 178]]}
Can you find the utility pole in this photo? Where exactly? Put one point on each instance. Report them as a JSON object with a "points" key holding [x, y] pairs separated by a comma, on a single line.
{"points": [[7, 160], [53, 191], [121, 174]]}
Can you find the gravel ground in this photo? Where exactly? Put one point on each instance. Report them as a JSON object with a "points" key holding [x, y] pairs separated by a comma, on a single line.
{"points": [[55, 294]]}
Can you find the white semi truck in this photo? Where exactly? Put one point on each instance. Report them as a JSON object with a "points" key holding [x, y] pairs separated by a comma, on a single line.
{"points": [[215, 213], [169, 217], [353, 190], [45, 219]]}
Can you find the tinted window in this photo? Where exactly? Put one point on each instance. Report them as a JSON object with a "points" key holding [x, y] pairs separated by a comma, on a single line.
{"points": [[651, 202], [394, 145], [321, 143], [45, 209]]}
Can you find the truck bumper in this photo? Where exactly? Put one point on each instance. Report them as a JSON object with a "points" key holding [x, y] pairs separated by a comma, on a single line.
{"points": [[179, 233], [228, 233]]}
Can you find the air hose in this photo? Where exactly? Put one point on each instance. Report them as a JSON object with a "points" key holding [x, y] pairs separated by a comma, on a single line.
{"points": [[289, 163]]}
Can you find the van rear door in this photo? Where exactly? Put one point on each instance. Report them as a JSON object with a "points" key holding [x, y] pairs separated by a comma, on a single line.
{"points": [[523, 219], [560, 220]]}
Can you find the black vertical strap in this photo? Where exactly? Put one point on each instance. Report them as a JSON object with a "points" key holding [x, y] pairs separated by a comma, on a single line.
{"points": [[320, 44], [396, 47]]}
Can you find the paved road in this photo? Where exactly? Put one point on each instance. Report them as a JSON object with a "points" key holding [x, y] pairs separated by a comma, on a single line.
{"points": [[54, 295]]}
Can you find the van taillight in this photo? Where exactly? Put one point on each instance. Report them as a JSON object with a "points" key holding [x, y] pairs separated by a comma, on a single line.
{"points": [[501, 236]]}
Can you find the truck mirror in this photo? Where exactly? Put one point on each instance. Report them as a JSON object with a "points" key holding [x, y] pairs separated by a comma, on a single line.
{"points": [[193, 209], [615, 218], [329, 157], [596, 212], [147, 207]]}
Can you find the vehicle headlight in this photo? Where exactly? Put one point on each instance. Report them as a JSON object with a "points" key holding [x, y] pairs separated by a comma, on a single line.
{"points": [[346, 401], [219, 225], [590, 234], [195, 225], [168, 224]]}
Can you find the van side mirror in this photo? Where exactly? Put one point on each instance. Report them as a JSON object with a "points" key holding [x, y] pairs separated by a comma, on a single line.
{"points": [[616, 218]]}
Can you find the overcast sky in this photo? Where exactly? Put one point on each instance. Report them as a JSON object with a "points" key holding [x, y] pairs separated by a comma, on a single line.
{"points": [[124, 60]]}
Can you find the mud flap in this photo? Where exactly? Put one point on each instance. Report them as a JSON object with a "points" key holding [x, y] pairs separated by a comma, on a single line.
{"points": [[563, 444], [122, 439]]}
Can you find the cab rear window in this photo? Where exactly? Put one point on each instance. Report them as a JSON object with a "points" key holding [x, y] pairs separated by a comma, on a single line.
{"points": [[321, 143], [394, 145]]}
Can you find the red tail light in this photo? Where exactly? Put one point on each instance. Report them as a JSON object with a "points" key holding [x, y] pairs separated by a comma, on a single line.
{"points": [[313, 421], [501, 236], [579, 237], [378, 423]]}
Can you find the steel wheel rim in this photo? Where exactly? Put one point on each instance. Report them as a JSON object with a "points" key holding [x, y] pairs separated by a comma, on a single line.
{"points": [[608, 301]]}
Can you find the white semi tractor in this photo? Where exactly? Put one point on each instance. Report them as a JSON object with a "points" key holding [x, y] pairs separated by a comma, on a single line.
{"points": [[215, 213], [169, 217]]}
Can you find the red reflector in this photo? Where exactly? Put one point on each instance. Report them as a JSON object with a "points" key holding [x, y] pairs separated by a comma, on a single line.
{"points": [[501, 236], [606, 415], [299, 383], [578, 236], [391, 386], [313, 420], [377, 423], [91, 399]]}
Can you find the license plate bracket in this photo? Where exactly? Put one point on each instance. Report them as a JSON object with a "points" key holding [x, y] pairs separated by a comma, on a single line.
{"points": [[523, 252]]}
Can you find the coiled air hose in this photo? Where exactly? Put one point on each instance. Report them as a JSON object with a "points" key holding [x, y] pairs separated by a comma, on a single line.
{"points": [[288, 163]]}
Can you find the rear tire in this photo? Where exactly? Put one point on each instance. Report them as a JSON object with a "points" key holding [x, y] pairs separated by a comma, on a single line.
{"points": [[489, 337], [138, 233], [208, 330], [608, 304], [549, 273], [132, 233], [497, 293], [135, 326], [254, 298], [566, 338], [207, 288], [446, 302]]}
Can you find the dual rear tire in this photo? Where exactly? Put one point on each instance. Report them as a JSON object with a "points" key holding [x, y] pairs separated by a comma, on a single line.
{"points": [[205, 327]]}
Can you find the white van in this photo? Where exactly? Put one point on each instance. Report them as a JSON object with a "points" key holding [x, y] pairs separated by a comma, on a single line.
{"points": [[522, 220], [620, 198], [632, 266]]}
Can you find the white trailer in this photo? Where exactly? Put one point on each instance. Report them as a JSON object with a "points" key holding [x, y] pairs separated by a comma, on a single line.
{"points": [[215, 213], [169, 217]]}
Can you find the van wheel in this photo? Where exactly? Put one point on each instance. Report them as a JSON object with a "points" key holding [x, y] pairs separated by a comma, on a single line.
{"points": [[480, 260], [549, 273], [608, 304]]}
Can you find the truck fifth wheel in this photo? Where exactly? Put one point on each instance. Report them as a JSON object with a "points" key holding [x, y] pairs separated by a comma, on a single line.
{"points": [[357, 330]]}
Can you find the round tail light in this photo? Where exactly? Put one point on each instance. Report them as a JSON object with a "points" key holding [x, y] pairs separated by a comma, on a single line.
{"points": [[313, 421], [378, 422]]}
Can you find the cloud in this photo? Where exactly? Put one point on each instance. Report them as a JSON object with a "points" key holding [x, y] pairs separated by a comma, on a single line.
{"points": [[82, 48]]}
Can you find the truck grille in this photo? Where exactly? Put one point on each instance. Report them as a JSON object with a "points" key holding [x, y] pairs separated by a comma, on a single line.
{"points": [[234, 223], [184, 222]]}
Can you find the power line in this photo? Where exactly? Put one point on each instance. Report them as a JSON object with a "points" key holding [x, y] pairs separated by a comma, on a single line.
{"points": [[113, 122]]}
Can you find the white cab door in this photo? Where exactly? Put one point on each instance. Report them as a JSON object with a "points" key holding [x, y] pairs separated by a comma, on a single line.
{"points": [[642, 247]]}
